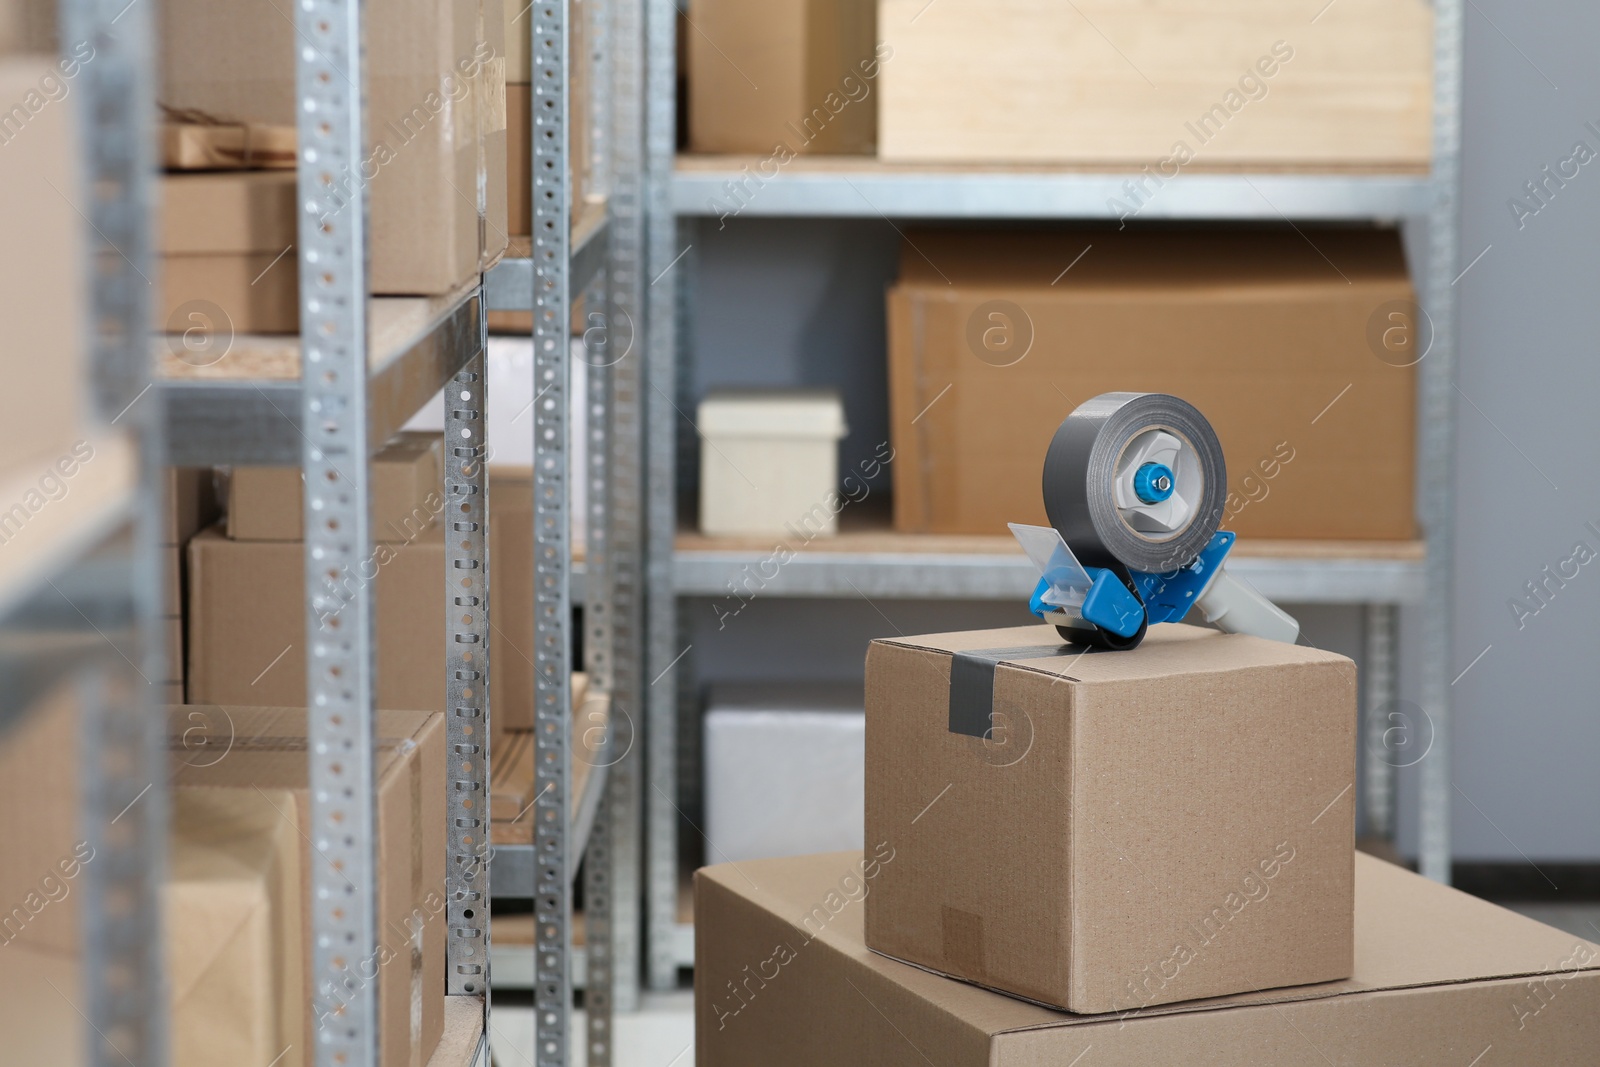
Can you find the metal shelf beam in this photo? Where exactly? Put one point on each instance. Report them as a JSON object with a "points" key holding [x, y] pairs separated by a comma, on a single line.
{"points": [[511, 873], [708, 187], [1011, 577], [218, 421], [509, 284]]}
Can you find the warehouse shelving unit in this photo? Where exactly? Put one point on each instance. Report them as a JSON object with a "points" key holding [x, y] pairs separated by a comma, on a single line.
{"points": [[875, 563], [80, 587], [325, 401]]}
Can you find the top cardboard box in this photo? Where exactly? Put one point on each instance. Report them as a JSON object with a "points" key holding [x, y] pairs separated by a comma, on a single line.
{"points": [[783, 979], [1298, 347], [435, 96], [1156, 85], [1104, 831], [799, 74]]}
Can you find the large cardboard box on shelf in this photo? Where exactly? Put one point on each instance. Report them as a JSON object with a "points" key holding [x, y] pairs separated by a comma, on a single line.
{"points": [[1298, 347], [783, 978], [247, 620], [1163, 87], [225, 246], [43, 280], [265, 748], [784, 77], [1109, 832], [235, 933], [435, 120], [29, 26], [407, 485]]}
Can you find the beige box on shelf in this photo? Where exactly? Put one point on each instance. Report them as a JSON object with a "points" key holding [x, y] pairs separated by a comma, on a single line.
{"points": [[43, 284], [784, 979], [236, 931], [435, 113], [407, 485], [265, 748], [769, 461], [227, 264], [800, 74], [1301, 357], [1114, 831], [1159, 86]]}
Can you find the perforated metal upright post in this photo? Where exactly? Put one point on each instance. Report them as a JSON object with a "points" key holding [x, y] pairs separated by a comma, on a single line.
{"points": [[340, 594], [122, 751], [552, 536], [467, 721], [1436, 459], [661, 855]]}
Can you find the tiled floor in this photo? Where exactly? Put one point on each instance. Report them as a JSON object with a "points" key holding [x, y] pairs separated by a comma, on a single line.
{"points": [[661, 1033]]}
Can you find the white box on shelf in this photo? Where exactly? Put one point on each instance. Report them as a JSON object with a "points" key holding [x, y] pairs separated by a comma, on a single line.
{"points": [[769, 461], [784, 770]]}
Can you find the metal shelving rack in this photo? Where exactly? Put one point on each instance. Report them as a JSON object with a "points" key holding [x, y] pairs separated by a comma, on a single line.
{"points": [[364, 366], [686, 187], [80, 599]]}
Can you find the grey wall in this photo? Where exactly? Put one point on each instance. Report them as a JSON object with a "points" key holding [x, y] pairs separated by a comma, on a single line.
{"points": [[800, 303], [1527, 759]]}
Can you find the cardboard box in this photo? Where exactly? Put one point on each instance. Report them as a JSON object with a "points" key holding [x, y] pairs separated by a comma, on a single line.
{"points": [[43, 294], [247, 621], [814, 63], [435, 97], [227, 264], [235, 928], [407, 483], [783, 978], [28, 26], [172, 640], [266, 750], [783, 769], [191, 504], [45, 852], [1162, 87], [41, 1025], [225, 146], [511, 597], [770, 461], [1188, 805], [519, 82], [1277, 337]]}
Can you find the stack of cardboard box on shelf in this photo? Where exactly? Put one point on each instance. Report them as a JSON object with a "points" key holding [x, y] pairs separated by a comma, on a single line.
{"points": [[1149, 854], [435, 124]]}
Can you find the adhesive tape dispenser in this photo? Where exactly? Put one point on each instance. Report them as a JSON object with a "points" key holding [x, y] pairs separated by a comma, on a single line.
{"points": [[1134, 486]]}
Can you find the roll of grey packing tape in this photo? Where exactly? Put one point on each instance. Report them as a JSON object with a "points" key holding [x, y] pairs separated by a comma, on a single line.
{"points": [[1082, 465]]}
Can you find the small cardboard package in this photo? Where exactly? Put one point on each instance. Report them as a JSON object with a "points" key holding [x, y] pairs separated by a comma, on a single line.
{"points": [[264, 749], [1298, 348], [770, 461], [817, 71], [784, 979], [1106, 831], [247, 620], [227, 264], [43, 280], [235, 928], [436, 120], [407, 482]]}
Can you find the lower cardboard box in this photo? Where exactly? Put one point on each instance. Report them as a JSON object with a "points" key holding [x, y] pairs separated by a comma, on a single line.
{"points": [[42, 853], [235, 928], [264, 749], [784, 979]]}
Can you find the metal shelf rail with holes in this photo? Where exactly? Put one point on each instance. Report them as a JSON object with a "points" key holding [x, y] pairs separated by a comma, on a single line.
{"points": [[325, 401], [81, 583], [584, 242], [690, 186]]}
